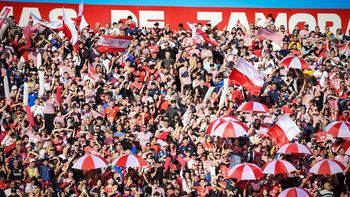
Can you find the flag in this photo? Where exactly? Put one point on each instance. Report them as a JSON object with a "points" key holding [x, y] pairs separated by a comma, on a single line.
{"points": [[26, 34], [59, 94], [184, 117], [275, 36], [247, 76], [92, 72], [80, 21], [69, 29], [108, 43], [41, 83], [6, 88], [283, 131], [167, 163], [201, 35], [29, 115], [25, 93], [345, 49], [181, 160], [6, 12], [208, 94], [54, 25]]}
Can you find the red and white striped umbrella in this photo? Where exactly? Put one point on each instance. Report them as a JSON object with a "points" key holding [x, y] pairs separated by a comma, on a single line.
{"points": [[212, 126], [130, 161], [230, 129], [294, 62], [346, 147], [255, 107], [294, 192], [88, 162], [327, 167], [339, 129], [278, 166], [245, 171], [294, 148]]}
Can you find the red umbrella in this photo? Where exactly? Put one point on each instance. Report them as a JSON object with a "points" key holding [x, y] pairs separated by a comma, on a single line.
{"points": [[245, 171], [230, 129], [212, 126], [346, 147], [255, 107], [327, 167], [294, 148], [88, 162], [294, 62], [294, 192], [130, 161], [339, 129], [278, 166]]}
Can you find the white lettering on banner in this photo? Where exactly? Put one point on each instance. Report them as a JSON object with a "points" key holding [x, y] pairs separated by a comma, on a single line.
{"points": [[280, 19], [23, 21], [302, 17], [117, 15], [214, 18], [56, 14], [348, 28], [235, 17], [4, 8], [148, 18], [322, 20]]}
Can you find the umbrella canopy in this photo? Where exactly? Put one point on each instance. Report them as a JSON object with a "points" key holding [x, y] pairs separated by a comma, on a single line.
{"points": [[346, 147], [130, 161], [278, 166], [88, 162], [295, 62], [339, 129], [255, 107], [327, 167], [230, 129], [212, 126], [294, 192], [294, 148], [245, 171]]}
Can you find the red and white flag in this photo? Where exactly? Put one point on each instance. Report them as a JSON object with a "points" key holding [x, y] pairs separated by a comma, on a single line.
{"points": [[345, 49], [283, 131], [109, 43], [92, 74], [201, 35], [69, 28], [54, 25], [3, 15], [80, 21], [247, 76], [275, 36]]}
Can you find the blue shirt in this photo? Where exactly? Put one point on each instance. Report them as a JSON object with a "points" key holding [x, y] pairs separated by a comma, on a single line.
{"points": [[45, 173]]}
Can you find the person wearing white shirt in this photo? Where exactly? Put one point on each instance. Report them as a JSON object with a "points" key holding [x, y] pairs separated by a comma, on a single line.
{"points": [[37, 108]]}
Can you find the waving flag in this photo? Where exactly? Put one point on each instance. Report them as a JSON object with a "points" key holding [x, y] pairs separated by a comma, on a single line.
{"points": [[69, 29], [80, 21], [275, 36], [247, 76], [201, 35], [54, 25], [283, 131], [345, 49], [26, 34], [6, 12], [108, 43]]}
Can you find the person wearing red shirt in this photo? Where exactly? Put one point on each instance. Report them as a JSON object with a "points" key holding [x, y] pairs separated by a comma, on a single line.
{"points": [[288, 108], [111, 111]]}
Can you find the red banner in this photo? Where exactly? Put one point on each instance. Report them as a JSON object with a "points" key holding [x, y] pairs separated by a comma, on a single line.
{"points": [[221, 17]]}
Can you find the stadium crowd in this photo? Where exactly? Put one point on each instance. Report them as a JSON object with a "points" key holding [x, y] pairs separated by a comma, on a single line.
{"points": [[136, 101]]}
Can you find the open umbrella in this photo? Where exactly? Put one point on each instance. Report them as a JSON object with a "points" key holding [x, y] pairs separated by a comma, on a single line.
{"points": [[255, 107], [294, 192], [339, 129], [294, 62], [327, 167], [278, 166], [230, 129], [89, 161], [294, 148], [130, 161], [346, 147], [213, 124], [245, 171]]}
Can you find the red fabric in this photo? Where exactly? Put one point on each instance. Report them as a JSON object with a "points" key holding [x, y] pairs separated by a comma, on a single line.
{"points": [[29, 115], [244, 81], [167, 163], [9, 148], [181, 160], [278, 135], [207, 38], [59, 94]]}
